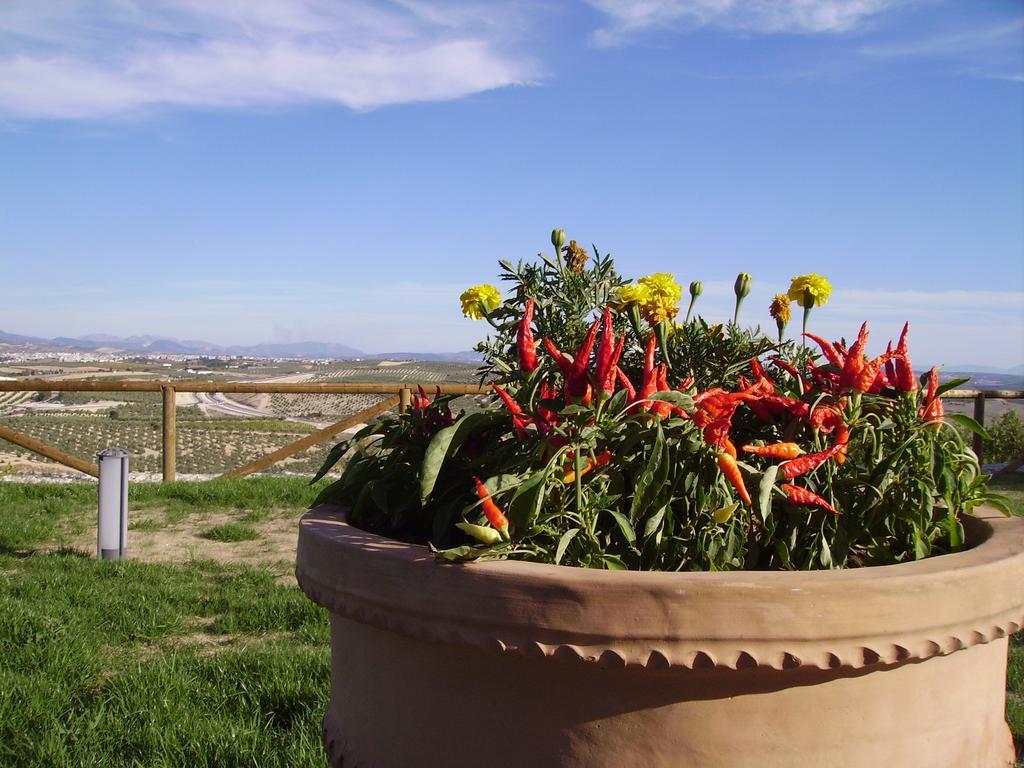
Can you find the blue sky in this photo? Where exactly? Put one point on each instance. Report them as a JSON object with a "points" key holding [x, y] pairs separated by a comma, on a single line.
{"points": [[289, 170]]}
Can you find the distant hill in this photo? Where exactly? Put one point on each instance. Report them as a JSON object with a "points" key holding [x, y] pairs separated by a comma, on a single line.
{"points": [[983, 380], [169, 346]]}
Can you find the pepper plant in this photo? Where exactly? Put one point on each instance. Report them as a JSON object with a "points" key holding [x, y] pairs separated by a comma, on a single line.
{"points": [[618, 438]]}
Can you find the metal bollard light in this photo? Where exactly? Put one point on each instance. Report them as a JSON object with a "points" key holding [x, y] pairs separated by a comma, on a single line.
{"points": [[112, 525]]}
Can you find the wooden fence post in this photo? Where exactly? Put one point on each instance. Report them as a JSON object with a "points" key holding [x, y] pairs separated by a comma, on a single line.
{"points": [[979, 416], [170, 452], [404, 396]]}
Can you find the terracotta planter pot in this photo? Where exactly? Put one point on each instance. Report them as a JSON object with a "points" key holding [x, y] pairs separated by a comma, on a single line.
{"points": [[518, 664]]}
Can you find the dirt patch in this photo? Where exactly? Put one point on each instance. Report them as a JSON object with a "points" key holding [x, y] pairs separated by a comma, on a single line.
{"points": [[22, 465], [152, 539]]}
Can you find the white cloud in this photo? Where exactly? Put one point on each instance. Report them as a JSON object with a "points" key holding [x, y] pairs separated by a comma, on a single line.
{"points": [[994, 51], [628, 17], [76, 59]]}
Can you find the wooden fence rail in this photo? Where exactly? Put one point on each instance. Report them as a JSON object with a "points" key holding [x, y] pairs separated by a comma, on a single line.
{"points": [[400, 396]]}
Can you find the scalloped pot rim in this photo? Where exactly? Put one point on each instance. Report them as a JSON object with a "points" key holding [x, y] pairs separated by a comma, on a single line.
{"points": [[852, 618]]}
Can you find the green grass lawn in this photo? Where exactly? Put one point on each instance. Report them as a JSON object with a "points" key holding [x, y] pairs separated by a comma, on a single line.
{"points": [[154, 664], [170, 664]]}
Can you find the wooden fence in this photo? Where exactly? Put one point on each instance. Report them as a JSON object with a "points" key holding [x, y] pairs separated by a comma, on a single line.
{"points": [[401, 394]]}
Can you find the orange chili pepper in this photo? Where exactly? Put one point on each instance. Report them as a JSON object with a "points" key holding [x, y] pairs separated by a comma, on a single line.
{"points": [[775, 450], [729, 447], [600, 461], [731, 470], [493, 514]]}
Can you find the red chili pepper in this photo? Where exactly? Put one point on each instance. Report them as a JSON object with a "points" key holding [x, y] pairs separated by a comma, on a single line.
{"points": [[650, 380], [605, 349], [905, 379], [775, 450], [732, 473], [574, 369], [827, 349], [608, 353], [822, 378], [716, 432], [701, 397], [663, 409], [493, 514], [763, 385], [799, 495], [792, 371], [933, 409], [855, 359], [525, 344], [824, 417], [804, 464], [890, 364], [933, 386], [626, 383], [760, 410], [581, 361], [842, 440], [779, 405], [520, 420], [420, 401], [865, 380]]}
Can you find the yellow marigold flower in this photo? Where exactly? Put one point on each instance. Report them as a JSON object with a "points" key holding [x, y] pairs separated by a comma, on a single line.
{"points": [[815, 285], [628, 295], [663, 297], [779, 308], [479, 300]]}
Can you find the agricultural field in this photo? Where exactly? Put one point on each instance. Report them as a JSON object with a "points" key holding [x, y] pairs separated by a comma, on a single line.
{"points": [[216, 433]]}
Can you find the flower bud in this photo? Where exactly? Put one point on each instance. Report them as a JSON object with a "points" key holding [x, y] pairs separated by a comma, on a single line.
{"points": [[558, 239], [742, 286], [696, 288], [742, 289]]}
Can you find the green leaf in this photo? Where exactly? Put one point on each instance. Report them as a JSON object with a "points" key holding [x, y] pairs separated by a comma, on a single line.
{"points": [[331, 459], [447, 442], [764, 493], [654, 522], [624, 525], [678, 399], [966, 421], [921, 548], [951, 384], [526, 502], [646, 479], [613, 562], [327, 495], [1000, 503], [825, 555], [563, 544], [617, 402], [461, 554], [955, 529]]}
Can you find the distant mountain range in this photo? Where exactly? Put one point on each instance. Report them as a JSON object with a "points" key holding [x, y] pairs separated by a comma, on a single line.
{"points": [[1017, 370], [982, 376], [153, 345]]}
